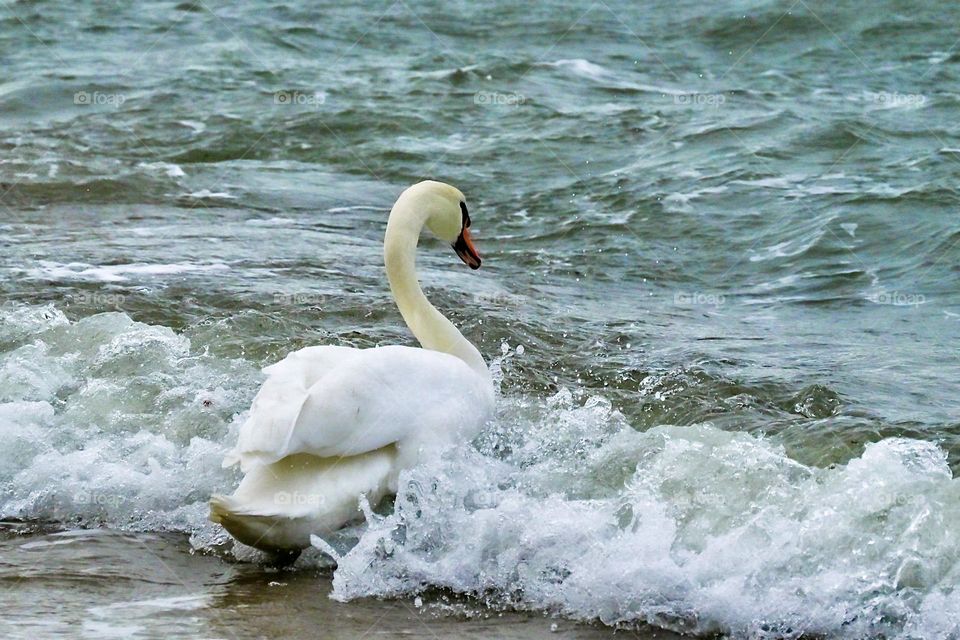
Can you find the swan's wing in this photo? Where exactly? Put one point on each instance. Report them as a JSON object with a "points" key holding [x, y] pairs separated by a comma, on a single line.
{"points": [[278, 402], [364, 400]]}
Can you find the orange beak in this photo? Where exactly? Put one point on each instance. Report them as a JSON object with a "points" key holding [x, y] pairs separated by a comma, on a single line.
{"points": [[465, 249]]}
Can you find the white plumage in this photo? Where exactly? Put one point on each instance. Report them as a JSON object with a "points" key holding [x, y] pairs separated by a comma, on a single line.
{"points": [[333, 423]]}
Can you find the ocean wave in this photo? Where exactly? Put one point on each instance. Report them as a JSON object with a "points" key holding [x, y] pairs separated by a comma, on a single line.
{"points": [[49, 270], [689, 528], [560, 505], [107, 421], [738, 27]]}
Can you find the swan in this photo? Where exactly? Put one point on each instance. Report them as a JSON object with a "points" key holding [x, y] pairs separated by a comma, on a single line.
{"points": [[332, 424]]}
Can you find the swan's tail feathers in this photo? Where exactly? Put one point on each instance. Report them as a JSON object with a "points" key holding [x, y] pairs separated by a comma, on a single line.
{"points": [[224, 508], [265, 531], [277, 506]]}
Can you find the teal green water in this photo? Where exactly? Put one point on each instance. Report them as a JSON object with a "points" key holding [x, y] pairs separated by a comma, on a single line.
{"points": [[739, 219]]}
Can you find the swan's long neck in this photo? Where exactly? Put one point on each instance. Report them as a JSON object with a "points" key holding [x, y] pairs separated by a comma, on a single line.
{"points": [[429, 326]]}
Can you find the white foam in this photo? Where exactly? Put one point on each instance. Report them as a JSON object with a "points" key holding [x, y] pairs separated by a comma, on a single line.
{"points": [[197, 127], [680, 202], [275, 221], [167, 168], [207, 193], [50, 270], [353, 208], [581, 67], [691, 528], [107, 420], [559, 506], [190, 602]]}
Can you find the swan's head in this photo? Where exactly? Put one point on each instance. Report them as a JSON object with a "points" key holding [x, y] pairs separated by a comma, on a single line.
{"points": [[445, 208]]}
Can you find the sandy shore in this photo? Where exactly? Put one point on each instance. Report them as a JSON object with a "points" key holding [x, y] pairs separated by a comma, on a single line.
{"points": [[107, 584]]}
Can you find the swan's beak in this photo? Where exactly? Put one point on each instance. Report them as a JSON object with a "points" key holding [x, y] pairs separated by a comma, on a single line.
{"points": [[465, 249]]}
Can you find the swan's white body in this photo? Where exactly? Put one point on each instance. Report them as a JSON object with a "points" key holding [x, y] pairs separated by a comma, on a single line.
{"points": [[333, 423]]}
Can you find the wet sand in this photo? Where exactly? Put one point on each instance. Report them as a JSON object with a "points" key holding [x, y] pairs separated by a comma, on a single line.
{"points": [[107, 584]]}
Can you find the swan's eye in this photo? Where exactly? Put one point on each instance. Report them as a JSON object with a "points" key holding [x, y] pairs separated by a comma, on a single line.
{"points": [[464, 215]]}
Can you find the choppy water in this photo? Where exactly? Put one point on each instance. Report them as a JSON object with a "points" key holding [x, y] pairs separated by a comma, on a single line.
{"points": [[726, 239]]}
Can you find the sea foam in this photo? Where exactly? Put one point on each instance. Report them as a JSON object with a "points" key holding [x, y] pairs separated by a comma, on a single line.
{"points": [[560, 505], [690, 528]]}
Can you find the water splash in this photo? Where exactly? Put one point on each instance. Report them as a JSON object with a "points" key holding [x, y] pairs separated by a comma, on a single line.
{"points": [[110, 421], [560, 505], [690, 528]]}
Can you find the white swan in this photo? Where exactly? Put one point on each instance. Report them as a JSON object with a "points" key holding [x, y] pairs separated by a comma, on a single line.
{"points": [[333, 423]]}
